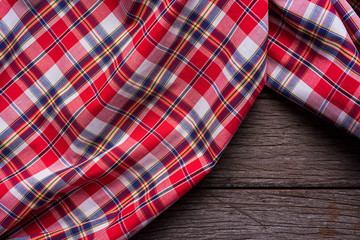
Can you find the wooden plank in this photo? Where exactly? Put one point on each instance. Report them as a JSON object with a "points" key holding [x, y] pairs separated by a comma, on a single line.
{"points": [[280, 144], [259, 214]]}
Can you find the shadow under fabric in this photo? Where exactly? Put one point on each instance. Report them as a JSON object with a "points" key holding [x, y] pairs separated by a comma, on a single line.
{"points": [[112, 110]]}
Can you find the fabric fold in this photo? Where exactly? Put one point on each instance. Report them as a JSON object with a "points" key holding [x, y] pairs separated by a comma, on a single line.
{"points": [[110, 110], [313, 58]]}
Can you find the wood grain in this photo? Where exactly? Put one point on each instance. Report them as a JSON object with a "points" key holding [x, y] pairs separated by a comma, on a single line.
{"points": [[260, 214], [286, 174], [280, 144]]}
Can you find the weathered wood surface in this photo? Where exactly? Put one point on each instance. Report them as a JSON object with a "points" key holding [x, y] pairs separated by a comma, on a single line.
{"points": [[280, 144], [260, 214], [285, 175]]}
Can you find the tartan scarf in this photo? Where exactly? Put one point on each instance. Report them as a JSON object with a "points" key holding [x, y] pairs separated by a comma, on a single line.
{"points": [[112, 110]]}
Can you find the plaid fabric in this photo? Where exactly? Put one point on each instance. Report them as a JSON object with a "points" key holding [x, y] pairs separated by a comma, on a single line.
{"points": [[112, 110], [313, 58]]}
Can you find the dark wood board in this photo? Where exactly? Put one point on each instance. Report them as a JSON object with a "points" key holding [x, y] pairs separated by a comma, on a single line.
{"points": [[279, 144], [259, 214]]}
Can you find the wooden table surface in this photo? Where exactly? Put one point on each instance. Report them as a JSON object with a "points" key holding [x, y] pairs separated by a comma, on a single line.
{"points": [[286, 174]]}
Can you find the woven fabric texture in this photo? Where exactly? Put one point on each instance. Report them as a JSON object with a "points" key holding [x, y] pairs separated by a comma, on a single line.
{"points": [[112, 110]]}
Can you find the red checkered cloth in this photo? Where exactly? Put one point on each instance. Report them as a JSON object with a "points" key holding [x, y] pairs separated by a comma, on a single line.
{"points": [[112, 110]]}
